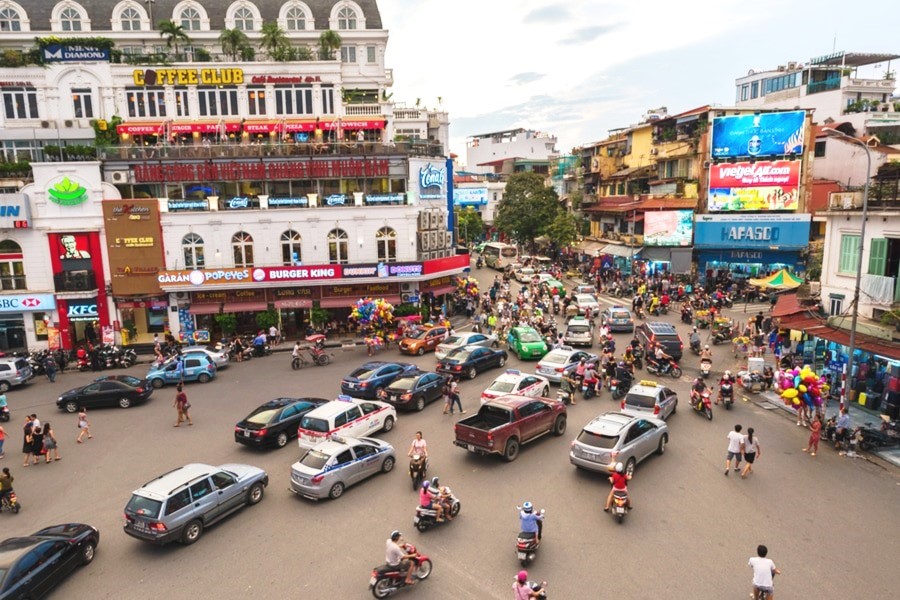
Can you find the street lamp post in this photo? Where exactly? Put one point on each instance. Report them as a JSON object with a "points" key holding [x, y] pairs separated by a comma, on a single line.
{"points": [[859, 258]]}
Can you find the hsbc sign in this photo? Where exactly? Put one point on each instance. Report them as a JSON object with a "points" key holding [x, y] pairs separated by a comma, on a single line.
{"points": [[27, 303]]}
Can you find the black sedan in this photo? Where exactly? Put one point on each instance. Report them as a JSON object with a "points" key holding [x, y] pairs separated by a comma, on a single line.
{"points": [[414, 390], [105, 392], [275, 422], [32, 566], [471, 360], [372, 377]]}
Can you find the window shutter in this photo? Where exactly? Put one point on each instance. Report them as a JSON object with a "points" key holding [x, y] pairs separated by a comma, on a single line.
{"points": [[878, 256]]}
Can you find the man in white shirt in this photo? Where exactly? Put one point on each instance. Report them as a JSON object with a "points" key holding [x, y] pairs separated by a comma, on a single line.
{"points": [[764, 571], [735, 443], [396, 556]]}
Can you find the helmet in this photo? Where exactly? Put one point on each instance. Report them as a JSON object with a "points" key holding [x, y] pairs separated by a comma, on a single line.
{"points": [[619, 468], [706, 347], [522, 576], [695, 329], [528, 507], [425, 484], [395, 535], [727, 373], [434, 481]]}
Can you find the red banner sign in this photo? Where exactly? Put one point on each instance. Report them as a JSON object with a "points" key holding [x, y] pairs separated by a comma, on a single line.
{"points": [[762, 173], [173, 172], [451, 263]]}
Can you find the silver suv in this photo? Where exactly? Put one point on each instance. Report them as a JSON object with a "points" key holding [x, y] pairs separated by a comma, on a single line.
{"points": [[616, 437], [181, 503], [14, 371]]}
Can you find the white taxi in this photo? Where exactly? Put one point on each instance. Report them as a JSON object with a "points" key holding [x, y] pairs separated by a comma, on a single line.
{"points": [[516, 382], [345, 416]]}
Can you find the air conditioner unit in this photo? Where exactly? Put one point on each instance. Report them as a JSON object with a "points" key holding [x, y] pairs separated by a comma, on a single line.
{"points": [[654, 151], [424, 221], [405, 298], [851, 201], [120, 177], [448, 239], [435, 241], [435, 219], [792, 66], [424, 241], [181, 295], [68, 123], [406, 287]]}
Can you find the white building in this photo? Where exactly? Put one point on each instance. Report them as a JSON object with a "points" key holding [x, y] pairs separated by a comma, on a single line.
{"points": [[841, 160], [502, 145]]}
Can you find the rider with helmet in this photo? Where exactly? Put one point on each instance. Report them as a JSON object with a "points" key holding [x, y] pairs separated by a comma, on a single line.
{"points": [[441, 496], [426, 500], [619, 480], [523, 589], [529, 521], [697, 390], [727, 379], [706, 354], [396, 555]]}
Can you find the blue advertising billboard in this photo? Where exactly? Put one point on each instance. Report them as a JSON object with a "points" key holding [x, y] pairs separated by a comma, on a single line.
{"points": [[470, 196], [764, 134], [63, 53], [765, 232]]}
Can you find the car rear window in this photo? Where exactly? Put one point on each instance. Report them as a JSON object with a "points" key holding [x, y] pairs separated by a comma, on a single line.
{"points": [[460, 355], [314, 459], [313, 424], [129, 380], [364, 372], [262, 416], [640, 400], [453, 340], [597, 440], [21, 363], [502, 386], [617, 314], [508, 252], [529, 336], [145, 507], [404, 383], [578, 329], [560, 357]]}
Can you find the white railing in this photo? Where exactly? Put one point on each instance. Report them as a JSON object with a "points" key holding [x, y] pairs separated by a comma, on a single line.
{"points": [[888, 84], [410, 114], [362, 110]]}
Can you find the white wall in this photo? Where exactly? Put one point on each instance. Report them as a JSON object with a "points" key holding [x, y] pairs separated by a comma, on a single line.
{"points": [[524, 145], [845, 162]]}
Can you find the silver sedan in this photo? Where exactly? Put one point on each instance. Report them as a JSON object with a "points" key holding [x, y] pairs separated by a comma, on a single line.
{"points": [[615, 437], [468, 338], [220, 358], [330, 467]]}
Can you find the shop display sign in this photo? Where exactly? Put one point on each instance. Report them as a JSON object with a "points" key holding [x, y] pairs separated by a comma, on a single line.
{"points": [[15, 211], [470, 196], [288, 202], [245, 296], [153, 77], [204, 277], [27, 303], [765, 134], [262, 274], [62, 53], [179, 172], [82, 310], [295, 292], [385, 198], [176, 205], [432, 182], [67, 191], [760, 185], [668, 228], [781, 232], [384, 270], [237, 203], [133, 246], [433, 284], [285, 79], [336, 200], [208, 297], [456, 262], [360, 290]]}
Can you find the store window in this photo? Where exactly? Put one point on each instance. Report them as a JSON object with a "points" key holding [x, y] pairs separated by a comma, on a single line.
{"points": [[192, 246], [190, 19], [348, 54], [181, 102], [327, 100], [338, 242], [346, 18], [295, 19], [835, 304], [12, 269], [370, 54], [290, 248], [849, 254], [243, 19], [242, 246], [10, 20], [256, 100], [386, 240], [20, 103], [70, 20], [83, 103], [130, 19], [143, 102], [293, 100], [216, 102]]}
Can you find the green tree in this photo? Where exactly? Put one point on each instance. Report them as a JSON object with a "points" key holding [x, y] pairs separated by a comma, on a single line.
{"points": [[233, 42], [528, 207], [469, 225], [302, 53], [273, 40], [329, 41], [227, 322], [174, 33], [563, 230]]}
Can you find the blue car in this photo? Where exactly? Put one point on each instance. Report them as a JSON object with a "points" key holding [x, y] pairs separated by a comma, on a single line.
{"points": [[368, 380], [191, 367]]}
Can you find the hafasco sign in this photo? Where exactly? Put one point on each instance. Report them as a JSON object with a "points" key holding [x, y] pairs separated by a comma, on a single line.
{"points": [[434, 179], [30, 303], [783, 232], [61, 53], [67, 192], [201, 277], [188, 77], [739, 233]]}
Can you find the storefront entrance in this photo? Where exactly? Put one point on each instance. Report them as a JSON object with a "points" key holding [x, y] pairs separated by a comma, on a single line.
{"points": [[12, 332]]}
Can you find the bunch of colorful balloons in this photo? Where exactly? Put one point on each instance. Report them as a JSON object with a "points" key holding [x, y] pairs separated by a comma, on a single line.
{"points": [[467, 286], [801, 386], [376, 313]]}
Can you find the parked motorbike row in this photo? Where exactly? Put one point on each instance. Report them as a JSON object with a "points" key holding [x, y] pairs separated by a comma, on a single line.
{"points": [[109, 356]]}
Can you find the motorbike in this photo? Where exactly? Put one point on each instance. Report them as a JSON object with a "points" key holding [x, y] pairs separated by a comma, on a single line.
{"points": [[262, 350], [873, 439], [618, 387], [705, 367], [701, 403], [687, 316], [663, 309], [527, 544], [10, 503], [638, 354], [695, 347], [387, 580], [639, 311], [555, 305], [479, 264], [671, 368], [426, 518], [564, 397], [619, 505], [722, 335], [589, 389], [4, 414], [538, 588], [726, 394], [417, 469]]}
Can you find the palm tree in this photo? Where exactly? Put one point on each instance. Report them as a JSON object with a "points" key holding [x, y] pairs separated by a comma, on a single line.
{"points": [[329, 41], [173, 33], [233, 42], [273, 40]]}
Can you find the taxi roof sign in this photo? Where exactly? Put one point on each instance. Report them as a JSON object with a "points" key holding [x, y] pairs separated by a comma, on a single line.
{"points": [[648, 383]]}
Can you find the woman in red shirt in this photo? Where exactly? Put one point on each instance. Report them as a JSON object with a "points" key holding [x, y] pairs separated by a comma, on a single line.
{"points": [[619, 481]]}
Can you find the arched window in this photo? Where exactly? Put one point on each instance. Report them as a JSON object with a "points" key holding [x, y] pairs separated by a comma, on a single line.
{"points": [[12, 269], [386, 240], [192, 244], [10, 20], [337, 246], [190, 19], [347, 18], [70, 20], [131, 19], [242, 245], [243, 19], [290, 248], [295, 19]]}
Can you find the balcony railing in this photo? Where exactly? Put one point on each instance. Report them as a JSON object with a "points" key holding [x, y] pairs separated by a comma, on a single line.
{"points": [[75, 281], [832, 83], [213, 151], [363, 110]]}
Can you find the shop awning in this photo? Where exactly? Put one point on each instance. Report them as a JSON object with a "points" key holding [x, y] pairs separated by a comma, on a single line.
{"points": [[205, 309], [141, 128], [590, 247], [619, 250], [447, 289], [205, 126], [337, 302], [261, 126], [346, 125], [293, 303], [236, 307], [864, 342]]}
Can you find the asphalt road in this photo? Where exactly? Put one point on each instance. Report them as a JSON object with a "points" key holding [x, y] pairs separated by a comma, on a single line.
{"points": [[830, 522]]}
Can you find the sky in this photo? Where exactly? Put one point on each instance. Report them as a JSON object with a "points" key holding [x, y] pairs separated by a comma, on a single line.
{"points": [[578, 69]]}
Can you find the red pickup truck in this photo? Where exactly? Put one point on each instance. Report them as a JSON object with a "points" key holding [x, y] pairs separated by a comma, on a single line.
{"points": [[504, 424]]}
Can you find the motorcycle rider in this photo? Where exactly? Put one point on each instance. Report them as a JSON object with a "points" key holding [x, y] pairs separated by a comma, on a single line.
{"points": [[727, 379], [697, 391], [662, 360], [419, 446], [619, 480], [295, 353], [6, 481], [396, 556], [706, 354], [842, 428], [259, 342], [529, 521], [591, 379], [695, 339], [426, 500], [442, 495], [523, 589], [567, 385]]}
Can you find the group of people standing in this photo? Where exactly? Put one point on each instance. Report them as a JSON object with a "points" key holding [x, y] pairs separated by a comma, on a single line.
{"points": [[39, 442]]}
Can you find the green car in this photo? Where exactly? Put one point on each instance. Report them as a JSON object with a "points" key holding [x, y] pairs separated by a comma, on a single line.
{"points": [[526, 342], [555, 284]]}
